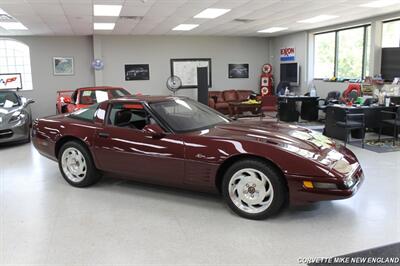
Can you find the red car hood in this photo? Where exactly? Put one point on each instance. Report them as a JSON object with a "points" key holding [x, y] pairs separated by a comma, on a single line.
{"points": [[298, 140]]}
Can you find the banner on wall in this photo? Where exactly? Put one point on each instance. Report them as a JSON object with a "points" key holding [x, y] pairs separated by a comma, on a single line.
{"points": [[288, 54], [10, 81]]}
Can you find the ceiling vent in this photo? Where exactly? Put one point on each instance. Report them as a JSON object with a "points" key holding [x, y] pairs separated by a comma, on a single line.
{"points": [[244, 20], [7, 18], [132, 18]]}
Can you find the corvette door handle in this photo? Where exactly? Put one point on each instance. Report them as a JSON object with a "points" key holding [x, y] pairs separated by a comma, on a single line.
{"points": [[103, 135]]}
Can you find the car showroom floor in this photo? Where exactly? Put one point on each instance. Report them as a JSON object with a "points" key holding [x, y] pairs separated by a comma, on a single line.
{"points": [[46, 221]]}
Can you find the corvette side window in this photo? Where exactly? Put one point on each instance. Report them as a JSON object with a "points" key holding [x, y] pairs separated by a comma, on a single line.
{"points": [[129, 116]]}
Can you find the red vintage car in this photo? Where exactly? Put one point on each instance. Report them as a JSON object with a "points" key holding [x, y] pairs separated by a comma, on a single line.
{"points": [[72, 100], [173, 141]]}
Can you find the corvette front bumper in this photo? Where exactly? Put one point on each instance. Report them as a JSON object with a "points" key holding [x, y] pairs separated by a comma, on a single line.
{"points": [[12, 133], [301, 194]]}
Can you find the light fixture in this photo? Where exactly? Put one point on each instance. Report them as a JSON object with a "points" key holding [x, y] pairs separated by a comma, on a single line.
{"points": [[103, 26], [380, 3], [212, 13], [107, 10], [272, 30], [316, 19], [186, 27], [13, 26]]}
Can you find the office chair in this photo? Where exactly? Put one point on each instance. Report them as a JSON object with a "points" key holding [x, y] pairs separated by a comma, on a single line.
{"points": [[392, 120], [331, 98], [353, 121]]}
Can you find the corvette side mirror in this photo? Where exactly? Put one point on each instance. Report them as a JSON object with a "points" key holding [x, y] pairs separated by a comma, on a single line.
{"points": [[154, 130], [30, 101]]}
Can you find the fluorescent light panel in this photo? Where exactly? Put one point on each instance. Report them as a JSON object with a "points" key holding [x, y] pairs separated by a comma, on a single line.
{"points": [[107, 10], [272, 30], [316, 19], [13, 26], [103, 26], [381, 3], [212, 13], [185, 27]]}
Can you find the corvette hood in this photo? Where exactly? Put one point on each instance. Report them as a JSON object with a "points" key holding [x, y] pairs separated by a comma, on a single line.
{"points": [[6, 113], [298, 140]]}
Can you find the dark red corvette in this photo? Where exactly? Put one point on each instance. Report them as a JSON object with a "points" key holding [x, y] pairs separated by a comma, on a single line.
{"points": [[257, 166]]}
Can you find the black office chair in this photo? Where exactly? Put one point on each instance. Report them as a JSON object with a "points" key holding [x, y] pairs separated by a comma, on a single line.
{"points": [[280, 89], [331, 98], [390, 119], [353, 121]]}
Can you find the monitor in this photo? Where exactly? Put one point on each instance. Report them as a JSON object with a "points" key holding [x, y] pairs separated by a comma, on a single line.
{"points": [[290, 72], [390, 67]]}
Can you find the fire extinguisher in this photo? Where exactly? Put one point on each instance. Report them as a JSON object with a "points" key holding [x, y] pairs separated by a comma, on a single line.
{"points": [[267, 80]]}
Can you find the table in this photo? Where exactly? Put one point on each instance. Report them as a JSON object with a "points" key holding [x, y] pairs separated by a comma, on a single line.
{"points": [[236, 108], [287, 110], [335, 113]]}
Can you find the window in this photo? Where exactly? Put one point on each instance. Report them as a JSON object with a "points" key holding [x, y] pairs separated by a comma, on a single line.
{"points": [[184, 115], [324, 63], [129, 116], [391, 34], [342, 53], [85, 113], [15, 58]]}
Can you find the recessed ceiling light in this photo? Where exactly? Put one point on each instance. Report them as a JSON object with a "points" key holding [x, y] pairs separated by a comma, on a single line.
{"points": [[13, 26], [212, 13], [381, 3], [186, 27], [316, 19], [103, 26], [272, 30], [107, 10]]}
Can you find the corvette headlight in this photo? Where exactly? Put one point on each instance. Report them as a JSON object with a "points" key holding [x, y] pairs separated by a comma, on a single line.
{"points": [[17, 116], [343, 166]]}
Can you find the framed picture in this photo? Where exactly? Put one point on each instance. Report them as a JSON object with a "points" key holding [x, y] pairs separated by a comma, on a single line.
{"points": [[186, 70], [63, 66], [238, 71], [137, 72], [10, 81]]}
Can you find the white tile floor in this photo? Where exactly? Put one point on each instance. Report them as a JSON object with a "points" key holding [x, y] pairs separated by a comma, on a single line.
{"points": [[46, 221]]}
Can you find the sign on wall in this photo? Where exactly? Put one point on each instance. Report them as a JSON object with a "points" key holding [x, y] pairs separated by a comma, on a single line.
{"points": [[10, 81], [288, 54]]}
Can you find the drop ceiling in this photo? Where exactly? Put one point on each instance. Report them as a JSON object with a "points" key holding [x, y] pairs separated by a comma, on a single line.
{"points": [[159, 17]]}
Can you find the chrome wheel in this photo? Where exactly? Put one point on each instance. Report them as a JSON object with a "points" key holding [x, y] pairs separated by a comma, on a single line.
{"points": [[251, 190], [73, 164]]}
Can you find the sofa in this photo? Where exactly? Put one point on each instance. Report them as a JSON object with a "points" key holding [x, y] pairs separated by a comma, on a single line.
{"points": [[219, 100]]}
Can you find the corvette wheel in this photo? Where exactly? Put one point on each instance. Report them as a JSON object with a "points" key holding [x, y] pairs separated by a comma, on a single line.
{"points": [[253, 189], [76, 165]]}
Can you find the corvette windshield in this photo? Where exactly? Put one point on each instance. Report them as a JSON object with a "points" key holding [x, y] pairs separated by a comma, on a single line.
{"points": [[8, 99], [184, 115]]}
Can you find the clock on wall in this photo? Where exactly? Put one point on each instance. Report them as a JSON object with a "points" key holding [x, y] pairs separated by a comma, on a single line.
{"points": [[97, 64]]}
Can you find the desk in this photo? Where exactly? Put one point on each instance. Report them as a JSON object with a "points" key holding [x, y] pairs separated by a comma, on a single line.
{"points": [[335, 113], [287, 108]]}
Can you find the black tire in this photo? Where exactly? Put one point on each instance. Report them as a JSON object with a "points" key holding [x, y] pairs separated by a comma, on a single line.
{"points": [[280, 192], [92, 175]]}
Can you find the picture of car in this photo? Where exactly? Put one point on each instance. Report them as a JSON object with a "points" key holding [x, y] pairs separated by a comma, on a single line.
{"points": [[72, 100], [175, 141], [137, 72], [15, 117], [238, 70]]}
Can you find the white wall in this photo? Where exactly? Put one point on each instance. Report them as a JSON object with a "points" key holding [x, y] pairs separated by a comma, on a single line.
{"points": [[116, 51], [45, 84]]}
